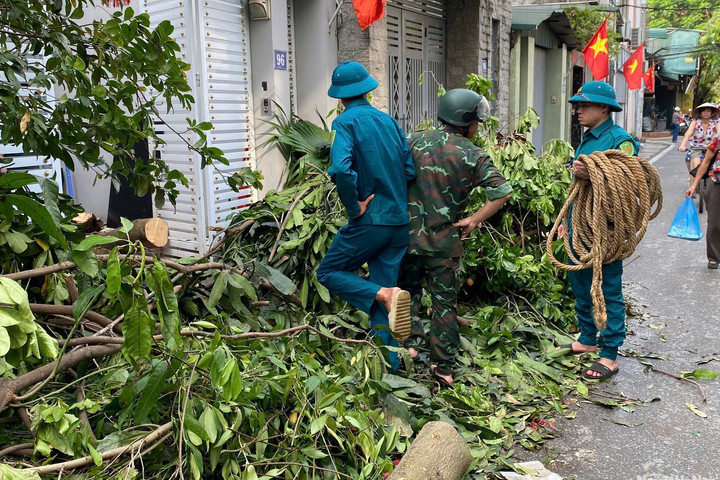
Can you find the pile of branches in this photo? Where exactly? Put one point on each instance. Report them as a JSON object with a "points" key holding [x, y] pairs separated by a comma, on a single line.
{"points": [[239, 365]]}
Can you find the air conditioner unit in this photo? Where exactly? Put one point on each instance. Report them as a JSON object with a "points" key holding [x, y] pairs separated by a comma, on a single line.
{"points": [[260, 9]]}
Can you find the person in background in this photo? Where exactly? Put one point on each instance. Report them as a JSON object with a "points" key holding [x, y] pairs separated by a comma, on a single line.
{"points": [[371, 166], [700, 133], [712, 202], [594, 102], [676, 119], [449, 166]]}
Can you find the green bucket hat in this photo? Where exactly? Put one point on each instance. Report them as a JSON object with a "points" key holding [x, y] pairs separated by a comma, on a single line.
{"points": [[351, 79], [597, 92]]}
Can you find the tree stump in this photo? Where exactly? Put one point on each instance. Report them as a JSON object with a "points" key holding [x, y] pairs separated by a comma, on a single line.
{"points": [[438, 453], [153, 232]]}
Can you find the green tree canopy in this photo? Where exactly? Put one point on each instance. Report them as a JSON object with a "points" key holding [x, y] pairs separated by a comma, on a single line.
{"points": [[693, 14], [113, 72]]}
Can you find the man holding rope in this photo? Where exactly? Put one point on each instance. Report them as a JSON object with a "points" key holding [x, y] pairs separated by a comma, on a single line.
{"points": [[594, 103]]}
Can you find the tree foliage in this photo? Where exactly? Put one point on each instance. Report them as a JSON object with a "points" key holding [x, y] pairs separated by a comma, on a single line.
{"points": [[694, 14], [585, 22], [80, 92]]}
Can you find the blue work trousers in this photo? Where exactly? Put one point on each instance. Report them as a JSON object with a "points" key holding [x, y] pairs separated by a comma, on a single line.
{"points": [[382, 247], [614, 334], [675, 131]]}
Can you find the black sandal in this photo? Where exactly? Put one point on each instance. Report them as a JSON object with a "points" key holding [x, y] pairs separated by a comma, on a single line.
{"points": [[443, 383], [604, 372], [712, 265]]}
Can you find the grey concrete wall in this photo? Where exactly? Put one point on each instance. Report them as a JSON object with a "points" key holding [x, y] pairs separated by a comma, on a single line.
{"points": [[269, 84], [368, 47], [316, 51], [470, 35]]}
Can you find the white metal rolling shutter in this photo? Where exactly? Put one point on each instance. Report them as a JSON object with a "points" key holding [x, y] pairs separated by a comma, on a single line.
{"points": [[225, 86], [40, 166], [213, 39]]}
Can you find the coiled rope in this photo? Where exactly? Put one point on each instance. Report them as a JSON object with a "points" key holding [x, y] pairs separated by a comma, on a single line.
{"points": [[610, 214]]}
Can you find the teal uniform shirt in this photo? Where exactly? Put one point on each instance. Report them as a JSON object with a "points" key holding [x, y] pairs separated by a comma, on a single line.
{"points": [[369, 155], [607, 136]]}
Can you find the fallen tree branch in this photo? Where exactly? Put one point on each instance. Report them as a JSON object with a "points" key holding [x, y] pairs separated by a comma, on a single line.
{"points": [[103, 340], [183, 269], [680, 377], [10, 388], [153, 438], [40, 272], [281, 230], [94, 317], [15, 448], [228, 233]]}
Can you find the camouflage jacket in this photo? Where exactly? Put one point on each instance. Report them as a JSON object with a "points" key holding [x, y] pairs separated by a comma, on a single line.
{"points": [[448, 167]]}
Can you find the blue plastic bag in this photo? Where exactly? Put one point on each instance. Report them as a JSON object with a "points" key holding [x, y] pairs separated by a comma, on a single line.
{"points": [[686, 223]]}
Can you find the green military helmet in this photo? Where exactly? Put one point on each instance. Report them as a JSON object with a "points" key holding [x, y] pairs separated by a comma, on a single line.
{"points": [[461, 107]]}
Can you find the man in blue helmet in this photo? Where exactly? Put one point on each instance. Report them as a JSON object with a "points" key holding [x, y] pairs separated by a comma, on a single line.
{"points": [[371, 166], [594, 103]]}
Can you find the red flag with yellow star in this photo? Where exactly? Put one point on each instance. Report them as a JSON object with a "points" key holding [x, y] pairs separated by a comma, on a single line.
{"points": [[596, 53], [633, 68], [369, 11], [649, 77]]}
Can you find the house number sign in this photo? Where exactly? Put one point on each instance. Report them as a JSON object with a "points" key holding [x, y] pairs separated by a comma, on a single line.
{"points": [[280, 60]]}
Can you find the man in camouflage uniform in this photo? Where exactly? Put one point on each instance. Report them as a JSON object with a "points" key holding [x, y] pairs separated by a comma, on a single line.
{"points": [[448, 167]]}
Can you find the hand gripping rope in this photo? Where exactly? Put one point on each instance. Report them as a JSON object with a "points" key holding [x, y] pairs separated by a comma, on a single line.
{"points": [[610, 214]]}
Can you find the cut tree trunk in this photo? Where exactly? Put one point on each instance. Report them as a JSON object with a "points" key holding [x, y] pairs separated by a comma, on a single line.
{"points": [[153, 232], [438, 453]]}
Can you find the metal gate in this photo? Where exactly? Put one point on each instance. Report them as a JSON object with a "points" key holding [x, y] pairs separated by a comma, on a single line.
{"points": [[416, 46], [212, 38]]}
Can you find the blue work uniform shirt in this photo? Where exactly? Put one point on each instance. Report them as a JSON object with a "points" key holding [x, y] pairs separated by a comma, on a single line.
{"points": [[369, 155], [607, 136]]}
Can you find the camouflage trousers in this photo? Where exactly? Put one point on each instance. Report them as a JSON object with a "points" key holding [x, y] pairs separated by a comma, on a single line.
{"points": [[441, 277]]}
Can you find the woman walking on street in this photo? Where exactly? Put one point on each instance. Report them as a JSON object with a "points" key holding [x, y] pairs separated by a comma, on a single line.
{"points": [[700, 133], [712, 202], [676, 119]]}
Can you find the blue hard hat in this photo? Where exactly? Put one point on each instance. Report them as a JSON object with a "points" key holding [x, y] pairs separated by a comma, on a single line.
{"points": [[597, 92], [351, 79]]}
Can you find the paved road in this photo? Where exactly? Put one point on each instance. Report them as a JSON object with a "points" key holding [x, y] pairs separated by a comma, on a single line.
{"points": [[668, 280]]}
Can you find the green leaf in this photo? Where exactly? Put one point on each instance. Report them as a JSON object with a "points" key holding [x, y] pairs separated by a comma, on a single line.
{"points": [[86, 300], [695, 410], [87, 261], [93, 241], [137, 328], [219, 288], [39, 215], [113, 279], [152, 390], [4, 342], [167, 305], [16, 179], [312, 452], [276, 278], [126, 226], [97, 458], [701, 373], [238, 281]]}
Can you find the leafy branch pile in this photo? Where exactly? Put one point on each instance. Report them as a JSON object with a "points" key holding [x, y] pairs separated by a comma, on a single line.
{"points": [[241, 366]]}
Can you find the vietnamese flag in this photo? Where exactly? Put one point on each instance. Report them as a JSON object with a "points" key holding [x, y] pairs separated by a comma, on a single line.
{"points": [[649, 78], [596, 53], [369, 11], [633, 68]]}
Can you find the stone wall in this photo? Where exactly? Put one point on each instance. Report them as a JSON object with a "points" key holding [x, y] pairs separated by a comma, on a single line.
{"points": [[470, 44], [368, 47]]}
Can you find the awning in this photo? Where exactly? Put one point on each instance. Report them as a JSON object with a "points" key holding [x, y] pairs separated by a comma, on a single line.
{"points": [[675, 48], [529, 17]]}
